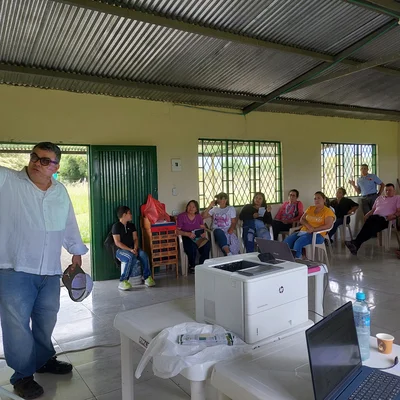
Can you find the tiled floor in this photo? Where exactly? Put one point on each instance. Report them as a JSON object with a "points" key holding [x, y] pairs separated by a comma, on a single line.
{"points": [[96, 373]]}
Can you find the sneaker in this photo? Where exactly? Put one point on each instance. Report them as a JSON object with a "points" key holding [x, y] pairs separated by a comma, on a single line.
{"points": [[124, 285], [149, 282], [53, 366], [27, 388], [352, 247]]}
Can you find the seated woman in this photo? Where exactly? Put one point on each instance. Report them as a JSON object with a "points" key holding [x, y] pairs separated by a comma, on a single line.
{"points": [[223, 224], [187, 224], [254, 217], [316, 218], [290, 211], [343, 207]]}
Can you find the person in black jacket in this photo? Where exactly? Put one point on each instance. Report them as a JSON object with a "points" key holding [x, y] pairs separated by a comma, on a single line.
{"points": [[344, 207], [254, 217]]}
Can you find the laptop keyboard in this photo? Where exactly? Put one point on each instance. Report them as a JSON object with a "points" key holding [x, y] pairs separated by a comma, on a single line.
{"points": [[377, 386]]}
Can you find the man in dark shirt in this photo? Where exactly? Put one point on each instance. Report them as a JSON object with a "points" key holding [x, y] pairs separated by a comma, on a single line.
{"points": [[343, 208], [126, 239]]}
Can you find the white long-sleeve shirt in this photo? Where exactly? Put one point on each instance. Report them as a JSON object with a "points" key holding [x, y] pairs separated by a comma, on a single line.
{"points": [[35, 224]]}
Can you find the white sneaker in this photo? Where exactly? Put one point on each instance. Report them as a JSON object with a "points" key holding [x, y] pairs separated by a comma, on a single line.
{"points": [[124, 285]]}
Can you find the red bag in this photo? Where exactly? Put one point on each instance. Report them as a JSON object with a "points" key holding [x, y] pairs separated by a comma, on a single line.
{"points": [[155, 210]]}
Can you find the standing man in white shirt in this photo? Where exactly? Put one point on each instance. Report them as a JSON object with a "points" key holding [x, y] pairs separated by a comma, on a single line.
{"points": [[366, 186], [36, 220]]}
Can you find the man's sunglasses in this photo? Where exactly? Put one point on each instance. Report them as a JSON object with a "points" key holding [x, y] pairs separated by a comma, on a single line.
{"points": [[45, 161]]}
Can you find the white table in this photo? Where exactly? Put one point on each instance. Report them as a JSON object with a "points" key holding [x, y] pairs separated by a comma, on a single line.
{"points": [[279, 371], [143, 324], [319, 290]]}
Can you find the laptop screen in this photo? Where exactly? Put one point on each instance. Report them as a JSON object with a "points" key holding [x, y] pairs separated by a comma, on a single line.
{"points": [[333, 350], [280, 250]]}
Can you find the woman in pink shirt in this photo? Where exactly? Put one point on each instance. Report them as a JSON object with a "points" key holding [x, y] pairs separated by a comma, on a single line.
{"points": [[290, 211], [191, 226]]}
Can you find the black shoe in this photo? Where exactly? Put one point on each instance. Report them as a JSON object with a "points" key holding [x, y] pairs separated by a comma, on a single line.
{"points": [[27, 388], [352, 247], [53, 366]]}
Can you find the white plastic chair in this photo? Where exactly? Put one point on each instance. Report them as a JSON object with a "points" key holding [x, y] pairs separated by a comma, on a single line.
{"points": [[239, 234], [311, 248], [215, 249], [343, 228], [385, 236], [183, 257], [282, 235]]}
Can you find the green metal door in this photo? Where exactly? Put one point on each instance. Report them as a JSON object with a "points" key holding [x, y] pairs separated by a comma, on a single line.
{"points": [[119, 175]]}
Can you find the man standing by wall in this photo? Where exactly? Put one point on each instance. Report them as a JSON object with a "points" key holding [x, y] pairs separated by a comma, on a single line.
{"points": [[36, 220], [366, 185]]}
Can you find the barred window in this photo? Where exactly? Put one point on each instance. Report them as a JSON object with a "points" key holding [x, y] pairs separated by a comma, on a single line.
{"points": [[341, 162], [240, 169]]}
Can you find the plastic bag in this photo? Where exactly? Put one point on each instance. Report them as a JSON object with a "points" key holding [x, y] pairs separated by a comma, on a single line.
{"points": [[170, 358], [155, 210]]}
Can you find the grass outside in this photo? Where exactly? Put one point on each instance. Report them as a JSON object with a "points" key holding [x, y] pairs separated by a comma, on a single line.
{"points": [[79, 193]]}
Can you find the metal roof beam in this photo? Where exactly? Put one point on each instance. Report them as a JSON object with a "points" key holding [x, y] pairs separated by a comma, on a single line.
{"points": [[314, 72], [205, 31], [388, 4], [123, 83], [386, 7], [336, 107], [352, 70], [168, 89]]}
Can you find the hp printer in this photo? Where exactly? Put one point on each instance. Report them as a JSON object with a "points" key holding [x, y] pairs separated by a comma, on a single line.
{"points": [[253, 299]]}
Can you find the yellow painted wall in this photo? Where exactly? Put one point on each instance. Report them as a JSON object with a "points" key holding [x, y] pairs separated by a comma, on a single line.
{"points": [[31, 115]]}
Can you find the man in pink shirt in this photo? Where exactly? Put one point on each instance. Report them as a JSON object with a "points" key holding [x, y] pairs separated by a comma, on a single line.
{"points": [[386, 208]]}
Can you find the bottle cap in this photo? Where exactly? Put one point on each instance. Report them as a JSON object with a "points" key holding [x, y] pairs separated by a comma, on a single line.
{"points": [[360, 296]]}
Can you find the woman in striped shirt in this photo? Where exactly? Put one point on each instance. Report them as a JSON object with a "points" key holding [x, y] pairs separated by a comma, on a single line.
{"points": [[290, 211]]}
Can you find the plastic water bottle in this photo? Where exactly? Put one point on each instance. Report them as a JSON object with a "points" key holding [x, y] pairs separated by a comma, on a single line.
{"points": [[362, 318]]}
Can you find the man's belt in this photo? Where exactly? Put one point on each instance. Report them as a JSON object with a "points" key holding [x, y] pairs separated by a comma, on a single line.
{"points": [[370, 194]]}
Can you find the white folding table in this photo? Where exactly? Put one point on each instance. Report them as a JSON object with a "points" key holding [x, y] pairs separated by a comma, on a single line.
{"points": [[141, 325], [279, 371]]}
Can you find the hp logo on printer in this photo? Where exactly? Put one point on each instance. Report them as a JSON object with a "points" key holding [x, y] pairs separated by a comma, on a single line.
{"points": [[281, 289]]}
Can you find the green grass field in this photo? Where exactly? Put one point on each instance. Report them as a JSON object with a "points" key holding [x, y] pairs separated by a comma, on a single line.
{"points": [[79, 193]]}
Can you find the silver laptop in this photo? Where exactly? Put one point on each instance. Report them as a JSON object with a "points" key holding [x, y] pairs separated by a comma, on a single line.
{"points": [[281, 251]]}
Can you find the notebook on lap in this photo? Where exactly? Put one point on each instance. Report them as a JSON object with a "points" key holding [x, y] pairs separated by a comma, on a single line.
{"points": [[335, 362]]}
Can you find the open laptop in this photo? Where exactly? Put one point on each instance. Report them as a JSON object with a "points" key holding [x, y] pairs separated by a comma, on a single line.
{"points": [[335, 362], [281, 251]]}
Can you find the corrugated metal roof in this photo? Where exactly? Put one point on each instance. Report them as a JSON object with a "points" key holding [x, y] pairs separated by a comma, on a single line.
{"points": [[385, 45], [52, 35], [365, 89], [327, 26], [87, 42]]}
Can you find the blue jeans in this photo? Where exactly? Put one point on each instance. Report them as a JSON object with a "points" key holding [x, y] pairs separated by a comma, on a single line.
{"points": [[297, 241], [191, 250], [25, 297], [221, 239], [338, 222], [130, 259], [251, 230]]}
